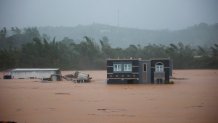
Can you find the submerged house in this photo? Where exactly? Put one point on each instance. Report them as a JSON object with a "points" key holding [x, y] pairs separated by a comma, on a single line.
{"points": [[33, 73], [139, 71]]}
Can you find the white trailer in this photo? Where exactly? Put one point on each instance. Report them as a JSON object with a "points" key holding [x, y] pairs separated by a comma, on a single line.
{"points": [[34, 73]]}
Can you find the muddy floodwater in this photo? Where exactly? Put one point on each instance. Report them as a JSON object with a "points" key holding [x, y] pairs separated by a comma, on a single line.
{"points": [[192, 99]]}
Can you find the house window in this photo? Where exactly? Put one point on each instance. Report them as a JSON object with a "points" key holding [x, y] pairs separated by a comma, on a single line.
{"points": [[145, 68], [159, 67], [127, 67], [117, 67]]}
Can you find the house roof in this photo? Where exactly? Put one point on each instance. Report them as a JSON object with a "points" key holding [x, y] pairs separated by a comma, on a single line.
{"points": [[139, 59], [35, 69], [122, 59]]}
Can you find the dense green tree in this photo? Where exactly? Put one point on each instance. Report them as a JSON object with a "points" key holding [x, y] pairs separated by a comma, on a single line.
{"points": [[29, 49]]}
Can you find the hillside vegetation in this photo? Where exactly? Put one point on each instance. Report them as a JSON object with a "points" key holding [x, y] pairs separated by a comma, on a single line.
{"points": [[201, 34]]}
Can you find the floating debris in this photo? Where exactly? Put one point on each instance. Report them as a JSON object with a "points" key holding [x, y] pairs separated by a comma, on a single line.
{"points": [[78, 77]]}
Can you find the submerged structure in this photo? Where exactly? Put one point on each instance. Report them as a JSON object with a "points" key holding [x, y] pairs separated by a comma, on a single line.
{"points": [[33, 73], [155, 71], [78, 77]]}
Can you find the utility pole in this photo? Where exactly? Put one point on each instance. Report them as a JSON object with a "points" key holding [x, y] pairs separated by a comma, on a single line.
{"points": [[118, 18]]}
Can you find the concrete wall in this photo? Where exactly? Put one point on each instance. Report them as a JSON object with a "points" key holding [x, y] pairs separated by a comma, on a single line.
{"points": [[122, 76]]}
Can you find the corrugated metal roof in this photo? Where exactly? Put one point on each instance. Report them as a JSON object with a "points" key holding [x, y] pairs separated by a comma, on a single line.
{"points": [[34, 69]]}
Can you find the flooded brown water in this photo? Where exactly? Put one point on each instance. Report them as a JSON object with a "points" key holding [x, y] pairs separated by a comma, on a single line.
{"points": [[192, 99]]}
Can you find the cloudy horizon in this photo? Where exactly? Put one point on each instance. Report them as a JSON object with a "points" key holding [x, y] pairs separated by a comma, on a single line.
{"points": [[142, 14]]}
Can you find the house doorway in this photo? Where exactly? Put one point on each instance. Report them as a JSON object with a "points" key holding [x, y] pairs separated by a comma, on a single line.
{"points": [[159, 73], [144, 72], [159, 81]]}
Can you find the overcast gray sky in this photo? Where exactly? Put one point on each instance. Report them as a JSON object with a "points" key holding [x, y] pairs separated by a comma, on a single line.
{"points": [[144, 14]]}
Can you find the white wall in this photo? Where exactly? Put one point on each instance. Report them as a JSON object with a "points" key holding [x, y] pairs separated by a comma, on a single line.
{"points": [[34, 74]]}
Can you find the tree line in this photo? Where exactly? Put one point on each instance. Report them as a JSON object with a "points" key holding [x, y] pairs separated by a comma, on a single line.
{"points": [[27, 49]]}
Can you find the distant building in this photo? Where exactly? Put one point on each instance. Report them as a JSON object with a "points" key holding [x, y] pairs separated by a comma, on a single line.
{"points": [[33, 73], [139, 71]]}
